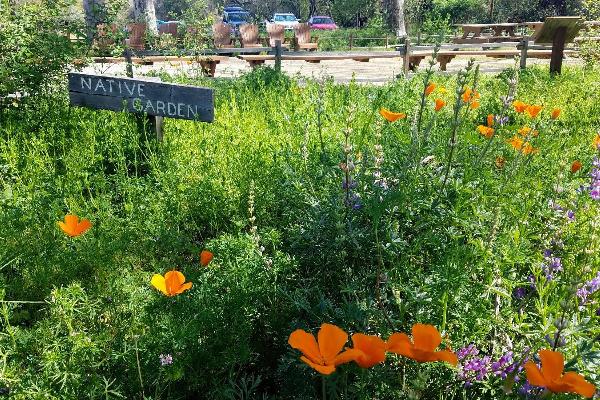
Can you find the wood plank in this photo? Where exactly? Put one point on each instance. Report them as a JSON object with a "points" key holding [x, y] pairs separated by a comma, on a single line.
{"points": [[141, 95], [546, 33]]}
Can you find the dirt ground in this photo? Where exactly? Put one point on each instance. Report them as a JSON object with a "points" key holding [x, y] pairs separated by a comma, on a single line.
{"points": [[376, 71]]}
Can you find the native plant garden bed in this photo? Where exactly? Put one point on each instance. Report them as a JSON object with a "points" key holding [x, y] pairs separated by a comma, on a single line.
{"points": [[432, 238]]}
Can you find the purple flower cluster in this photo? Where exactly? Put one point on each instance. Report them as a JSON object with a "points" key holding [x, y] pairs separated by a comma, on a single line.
{"points": [[165, 359], [595, 179], [560, 211], [479, 368], [551, 264], [588, 288]]}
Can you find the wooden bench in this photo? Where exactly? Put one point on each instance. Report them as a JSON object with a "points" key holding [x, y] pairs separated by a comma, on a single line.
{"points": [[445, 56], [315, 58], [208, 63]]}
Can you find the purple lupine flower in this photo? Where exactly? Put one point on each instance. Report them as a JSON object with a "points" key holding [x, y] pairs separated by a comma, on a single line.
{"points": [[556, 341], [588, 288], [571, 215], [165, 359], [501, 120], [352, 185], [598, 312], [519, 293]]}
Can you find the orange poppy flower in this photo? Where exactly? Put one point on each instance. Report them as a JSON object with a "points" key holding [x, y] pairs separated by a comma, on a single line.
{"points": [[486, 131], [576, 166], [555, 113], [552, 378], [391, 116], [426, 339], [516, 142], [205, 257], [596, 141], [529, 149], [474, 105], [372, 348], [429, 89], [490, 120], [73, 227], [524, 131], [533, 110], [469, 95], [325, 354], [439, 104], [171, 284], [519, 106]]}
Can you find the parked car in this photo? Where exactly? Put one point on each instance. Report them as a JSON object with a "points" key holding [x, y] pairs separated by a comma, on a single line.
{"points": [[286, 19], [322, 22], [235, 16]]}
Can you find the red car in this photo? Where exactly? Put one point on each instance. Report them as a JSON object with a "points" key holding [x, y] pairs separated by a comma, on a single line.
{"points": [[322, 22]]}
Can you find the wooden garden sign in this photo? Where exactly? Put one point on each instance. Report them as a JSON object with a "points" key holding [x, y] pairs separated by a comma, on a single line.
{"points": [[141, 96], [558, 31]]}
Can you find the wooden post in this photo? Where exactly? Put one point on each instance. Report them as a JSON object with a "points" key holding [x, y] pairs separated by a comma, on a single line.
{"points": [[278, 56], [387, 41], [153, 123], [524, 46], [351, 40], [558, 50], [406, 62]]}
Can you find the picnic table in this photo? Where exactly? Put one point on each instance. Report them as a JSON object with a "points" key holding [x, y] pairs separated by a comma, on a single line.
{"points": [[476, 29]]}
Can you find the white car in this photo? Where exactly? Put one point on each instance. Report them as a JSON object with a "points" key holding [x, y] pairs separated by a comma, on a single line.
{"points": [[286, 19]]}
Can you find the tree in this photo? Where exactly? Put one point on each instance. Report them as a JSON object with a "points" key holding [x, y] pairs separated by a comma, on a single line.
{"points": [[95, 13], [401, 26], [144, 10]]}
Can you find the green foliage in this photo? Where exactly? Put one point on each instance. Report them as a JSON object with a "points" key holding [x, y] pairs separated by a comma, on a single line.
{"points": [[414, 238], [35, 45]]}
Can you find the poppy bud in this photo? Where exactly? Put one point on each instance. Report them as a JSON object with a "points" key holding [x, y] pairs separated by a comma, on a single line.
{"points": [[576, 166]]}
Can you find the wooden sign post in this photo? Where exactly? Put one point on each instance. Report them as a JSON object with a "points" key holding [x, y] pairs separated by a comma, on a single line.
{"points": [[558, 31], [141, 96]]}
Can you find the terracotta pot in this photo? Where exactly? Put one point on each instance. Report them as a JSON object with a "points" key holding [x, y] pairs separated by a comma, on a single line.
{"points": [[137, 35]]}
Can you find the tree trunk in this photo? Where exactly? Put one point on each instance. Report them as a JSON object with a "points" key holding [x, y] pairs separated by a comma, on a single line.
{"points": [[144, 11], [312, 8], [94, 14], [401, 26]]}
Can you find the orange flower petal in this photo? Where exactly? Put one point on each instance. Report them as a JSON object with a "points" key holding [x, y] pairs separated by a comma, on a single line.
{"points": [[205, 257], [347, 356], [555, 113], [71, 220], [533, 110], [439, 104], [173, 282], [553, 364], [576, 166], [331, 341], [426, 337], [400, 343], [83, 226], [474, 105], [534, 375], [429, 89], [184, 287], [519, 106], [391, 116], [66, 229], [306, 343], [578, 384], [447, 356], [371, 347], [323, 369], [490, 120]]}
